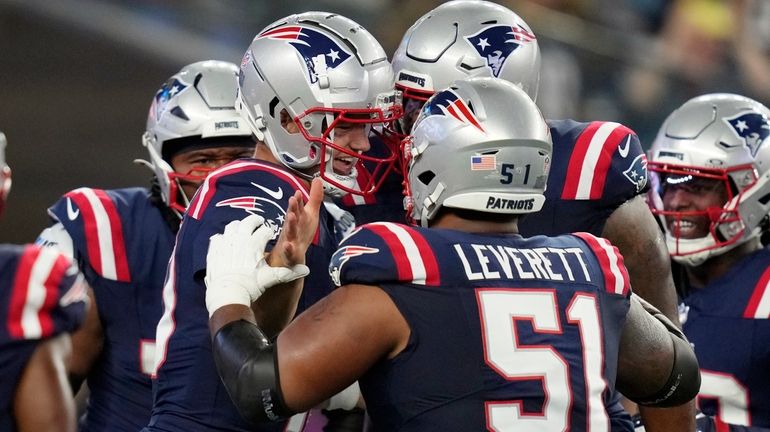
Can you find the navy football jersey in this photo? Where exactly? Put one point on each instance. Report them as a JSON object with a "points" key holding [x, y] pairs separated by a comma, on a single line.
{"points": [[505, 331], [122, 245], [189, 395], [596, 167], [42, 295], [728, 323]]}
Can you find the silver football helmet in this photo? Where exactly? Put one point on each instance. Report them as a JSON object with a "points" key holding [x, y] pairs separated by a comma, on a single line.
{"points": [[197, 101], [713, 141], [323, 69], [464, 38], [5, 174], [481, 145]]}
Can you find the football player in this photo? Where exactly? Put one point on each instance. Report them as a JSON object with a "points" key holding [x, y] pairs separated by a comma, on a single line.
{"points": [[122, 239], [461, 324], [710, 171], [598, 172], [312, 87], [43, 298]]}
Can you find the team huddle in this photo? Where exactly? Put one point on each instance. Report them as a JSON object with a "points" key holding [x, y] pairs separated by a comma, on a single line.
{"points": [[336, 239]]}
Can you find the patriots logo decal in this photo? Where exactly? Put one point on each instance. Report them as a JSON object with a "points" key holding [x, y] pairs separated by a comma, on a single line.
{"points": [[342, 256], [637, 172], [447, 103], [496, 43], [165, 94], [753, 127], [319, 51], [273, 212]]}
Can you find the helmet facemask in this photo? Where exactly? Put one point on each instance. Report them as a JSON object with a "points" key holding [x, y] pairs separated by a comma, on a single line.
{"points": [[343, 169], [725, 222], [719, 138]]}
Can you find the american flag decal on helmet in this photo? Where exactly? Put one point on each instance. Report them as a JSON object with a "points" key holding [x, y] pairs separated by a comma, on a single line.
{"points": [[447, 103], [319, 50]]}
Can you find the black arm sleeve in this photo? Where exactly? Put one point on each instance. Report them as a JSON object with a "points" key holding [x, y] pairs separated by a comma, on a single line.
{"points": [[248, 367], [683, 383]]}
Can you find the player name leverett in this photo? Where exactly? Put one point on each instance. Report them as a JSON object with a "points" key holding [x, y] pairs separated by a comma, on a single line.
{"points": [[482, 261]]}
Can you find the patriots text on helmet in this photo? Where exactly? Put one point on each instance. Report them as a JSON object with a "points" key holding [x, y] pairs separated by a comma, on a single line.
{"points": [[403, 76], [509, 204]]}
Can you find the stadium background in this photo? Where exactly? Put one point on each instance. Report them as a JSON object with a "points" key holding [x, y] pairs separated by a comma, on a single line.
{"points": [[77, 76]]}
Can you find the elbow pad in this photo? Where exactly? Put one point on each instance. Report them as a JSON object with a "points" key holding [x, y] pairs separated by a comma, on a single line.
{"points": [[684, 382], [248, 367]]}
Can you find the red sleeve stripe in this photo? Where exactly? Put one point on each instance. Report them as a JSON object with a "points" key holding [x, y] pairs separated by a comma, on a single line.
{"points": [[759, 303], [415, 260], [35, 292], [104, 233], [615, 274], [591, 160], [208, 189]]}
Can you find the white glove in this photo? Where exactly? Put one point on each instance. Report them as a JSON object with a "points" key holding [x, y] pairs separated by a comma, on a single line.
{"points": [[236, 271]]}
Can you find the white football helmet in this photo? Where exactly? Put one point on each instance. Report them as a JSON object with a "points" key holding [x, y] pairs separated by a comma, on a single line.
{"points": [[198, 101], [323, 69], [482, 145], [720, 139], [465, 38], [5, 174]]}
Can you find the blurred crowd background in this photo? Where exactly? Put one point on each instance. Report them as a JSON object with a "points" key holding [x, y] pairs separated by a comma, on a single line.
{"points": [[77, 76]]}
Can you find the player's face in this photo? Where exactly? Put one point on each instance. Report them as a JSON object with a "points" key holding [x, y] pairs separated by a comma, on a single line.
{"points": [[693, 198], [193, 166], [353, 137]]}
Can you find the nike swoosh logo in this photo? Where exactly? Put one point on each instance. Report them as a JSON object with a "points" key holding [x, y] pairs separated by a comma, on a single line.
{"points": [[624, 150], [72, 213], [275, 194]]}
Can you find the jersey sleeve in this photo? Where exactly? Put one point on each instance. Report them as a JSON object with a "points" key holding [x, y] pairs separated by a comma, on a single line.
{"points": [[92, 221], [606, 163], [46, 297], [614, 275], [384, 252], [232, 193]]}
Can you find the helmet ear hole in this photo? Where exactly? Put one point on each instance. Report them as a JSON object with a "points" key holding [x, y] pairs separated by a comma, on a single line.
{"points": [[179, 112], [426, 177]]}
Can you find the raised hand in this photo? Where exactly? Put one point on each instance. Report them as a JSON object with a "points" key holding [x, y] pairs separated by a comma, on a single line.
{"points": [[299, 228]]}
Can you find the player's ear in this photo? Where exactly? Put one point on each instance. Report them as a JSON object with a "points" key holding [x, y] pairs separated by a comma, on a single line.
{"points": [[288, 123]]}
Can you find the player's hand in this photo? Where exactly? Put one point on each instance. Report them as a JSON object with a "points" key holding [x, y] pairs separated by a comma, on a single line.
{"points": [[299, 228], [236, 271]]}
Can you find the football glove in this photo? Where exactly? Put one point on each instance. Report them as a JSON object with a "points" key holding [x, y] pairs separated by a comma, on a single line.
{"points": [[236, 270]]}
